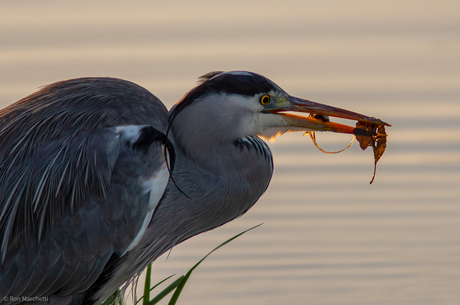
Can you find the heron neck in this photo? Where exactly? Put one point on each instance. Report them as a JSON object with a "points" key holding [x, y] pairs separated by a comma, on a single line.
{"points": [[202, 198]]}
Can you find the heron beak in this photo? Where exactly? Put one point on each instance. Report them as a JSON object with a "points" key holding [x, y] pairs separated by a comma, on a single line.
{"points": [[319, 114]]}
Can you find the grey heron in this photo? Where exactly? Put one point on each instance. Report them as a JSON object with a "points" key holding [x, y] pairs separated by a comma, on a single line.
{"points": [[98, 179]]}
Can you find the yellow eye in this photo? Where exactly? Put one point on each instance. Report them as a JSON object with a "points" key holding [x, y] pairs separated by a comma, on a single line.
{"points": [[265, 99]]}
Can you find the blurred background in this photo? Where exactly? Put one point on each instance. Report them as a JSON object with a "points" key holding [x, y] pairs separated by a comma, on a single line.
{"points": [[328, 236]]}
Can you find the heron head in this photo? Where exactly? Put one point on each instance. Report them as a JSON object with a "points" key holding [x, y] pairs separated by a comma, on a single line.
{"points": [[238, 103]]}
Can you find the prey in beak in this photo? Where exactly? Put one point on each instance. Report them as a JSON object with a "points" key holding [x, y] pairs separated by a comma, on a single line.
{"points": [[369, 131], [319, 117]]}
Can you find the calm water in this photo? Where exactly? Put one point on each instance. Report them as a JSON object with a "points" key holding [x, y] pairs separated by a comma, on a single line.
{"points": [[328, 237]]}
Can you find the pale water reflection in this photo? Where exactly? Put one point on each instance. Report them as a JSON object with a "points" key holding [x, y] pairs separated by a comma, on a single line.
{"points": [[328, 237]]}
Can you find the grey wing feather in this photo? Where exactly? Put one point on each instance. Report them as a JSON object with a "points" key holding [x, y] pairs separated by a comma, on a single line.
{"points": [[58, 151]]}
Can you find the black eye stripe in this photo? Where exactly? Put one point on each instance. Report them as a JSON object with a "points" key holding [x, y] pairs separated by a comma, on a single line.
{"points": [[247, 84]]}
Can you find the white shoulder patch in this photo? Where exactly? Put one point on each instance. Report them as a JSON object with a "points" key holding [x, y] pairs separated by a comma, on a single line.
{"points": [[156, 185], [129, 132]]}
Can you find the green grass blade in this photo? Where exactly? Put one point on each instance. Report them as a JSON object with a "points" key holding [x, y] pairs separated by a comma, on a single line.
{"points": [[185, 278], [146, 296], [166, 291], [159, 283], [155, 286]]}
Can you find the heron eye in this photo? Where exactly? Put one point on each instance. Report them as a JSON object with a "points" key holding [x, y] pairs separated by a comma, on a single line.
{"points": [[265, 99]]}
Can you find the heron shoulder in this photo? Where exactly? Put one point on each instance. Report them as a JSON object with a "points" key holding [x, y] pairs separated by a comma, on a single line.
{"points": [[58, 146]]}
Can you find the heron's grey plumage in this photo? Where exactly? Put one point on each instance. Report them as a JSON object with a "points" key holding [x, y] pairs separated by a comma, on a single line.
{"points": [[71, 198], [70, 191], [219, 197], [86, 199], [220, 176]]}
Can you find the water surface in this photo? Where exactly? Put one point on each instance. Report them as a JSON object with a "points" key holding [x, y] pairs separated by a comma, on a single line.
{"points": [[328, 236]]}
